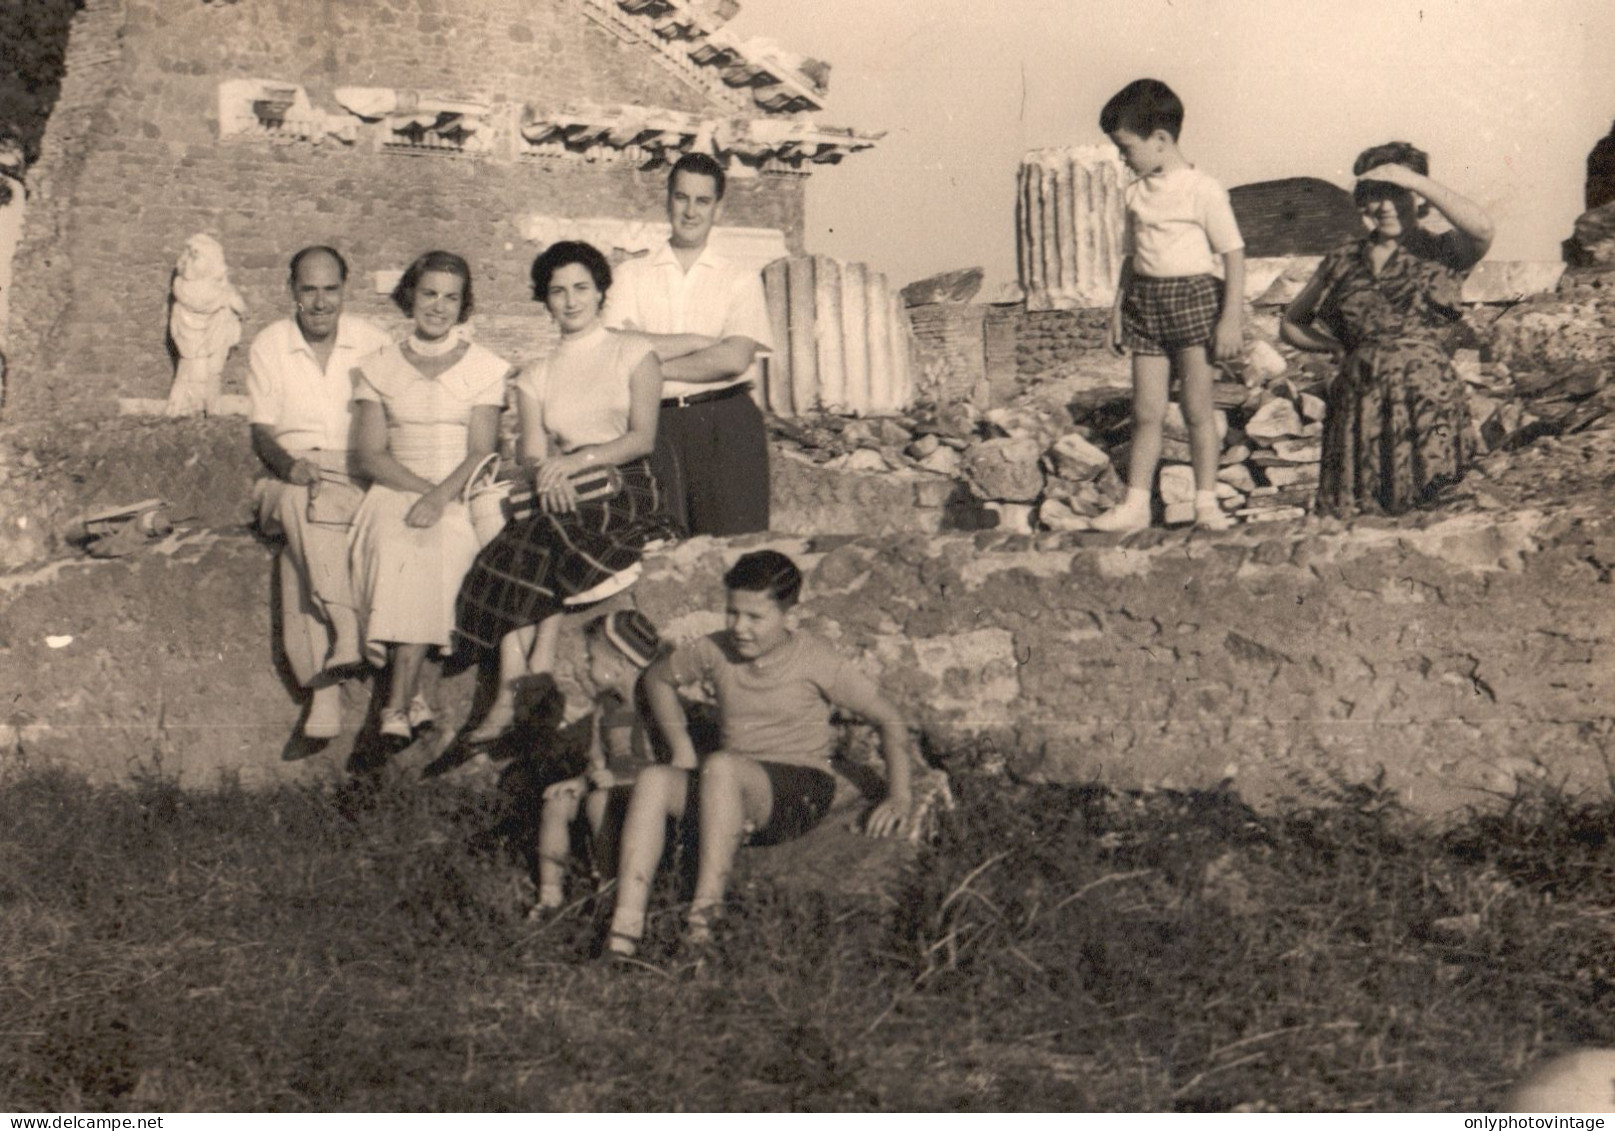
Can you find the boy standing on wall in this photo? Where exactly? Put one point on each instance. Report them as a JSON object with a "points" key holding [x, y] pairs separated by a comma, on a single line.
{"points": [[1171, 310]]}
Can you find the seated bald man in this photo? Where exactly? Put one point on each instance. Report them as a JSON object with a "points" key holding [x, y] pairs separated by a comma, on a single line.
{"points": [[301, 389]]}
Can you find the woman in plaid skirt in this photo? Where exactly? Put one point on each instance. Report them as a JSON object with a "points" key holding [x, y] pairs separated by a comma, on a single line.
{"points": [[587, 418]]}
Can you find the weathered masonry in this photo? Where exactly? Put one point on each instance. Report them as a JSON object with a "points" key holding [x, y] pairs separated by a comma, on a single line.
{"points": [[384, 127]]}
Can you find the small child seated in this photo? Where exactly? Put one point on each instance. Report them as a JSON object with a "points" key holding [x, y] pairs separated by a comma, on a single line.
{"points": [[771, 781], [619, 647]]}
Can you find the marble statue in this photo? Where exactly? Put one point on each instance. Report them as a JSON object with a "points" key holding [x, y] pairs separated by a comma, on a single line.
{"points": [[204, 322]]}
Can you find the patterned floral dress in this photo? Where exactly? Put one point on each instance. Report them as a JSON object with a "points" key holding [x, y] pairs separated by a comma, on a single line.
{"points": [[1397, 427]]}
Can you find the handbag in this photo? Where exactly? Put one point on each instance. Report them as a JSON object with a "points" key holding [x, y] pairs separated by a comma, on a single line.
{"points": [[484, 497]]}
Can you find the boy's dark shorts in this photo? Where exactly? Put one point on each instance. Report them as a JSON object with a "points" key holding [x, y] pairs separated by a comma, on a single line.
{"points": [[1162, 316], [802, 796]]}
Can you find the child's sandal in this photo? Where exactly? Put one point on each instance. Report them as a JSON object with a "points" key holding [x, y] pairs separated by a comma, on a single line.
{"points": [[620, 945]]}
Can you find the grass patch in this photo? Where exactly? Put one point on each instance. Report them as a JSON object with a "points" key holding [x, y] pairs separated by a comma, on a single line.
{"points": [[1056, 948]]}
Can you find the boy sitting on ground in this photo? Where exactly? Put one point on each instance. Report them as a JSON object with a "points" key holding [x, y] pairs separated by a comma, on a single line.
{"points": [[770, 782], [619, 647]]}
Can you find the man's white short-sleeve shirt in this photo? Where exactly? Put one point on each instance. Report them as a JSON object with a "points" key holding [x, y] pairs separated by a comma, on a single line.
{"points": [[303, 405], [1178, 223], [716, 297]]}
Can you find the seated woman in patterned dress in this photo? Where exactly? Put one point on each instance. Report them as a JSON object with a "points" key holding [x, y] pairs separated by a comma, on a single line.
{"points": [[1396, 426], [591, 405], [427, 413]]}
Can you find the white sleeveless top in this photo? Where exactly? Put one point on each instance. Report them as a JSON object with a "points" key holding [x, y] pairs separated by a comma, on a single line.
{"points": [[584, 388]]}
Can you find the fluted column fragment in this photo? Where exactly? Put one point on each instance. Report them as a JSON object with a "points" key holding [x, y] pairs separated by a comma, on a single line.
{"points": [[1069, 226], [841, 339]]}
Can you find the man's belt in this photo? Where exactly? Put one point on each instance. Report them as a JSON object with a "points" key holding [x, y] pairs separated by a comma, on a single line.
{"points": [[706, 398]]}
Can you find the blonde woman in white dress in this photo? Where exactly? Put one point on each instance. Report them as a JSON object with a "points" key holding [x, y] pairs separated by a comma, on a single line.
{"points": [[427, 412]]}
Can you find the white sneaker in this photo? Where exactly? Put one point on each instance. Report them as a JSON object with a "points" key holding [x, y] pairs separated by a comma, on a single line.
{"points": [[1122, 519], [395, 724], [1212, 518], [420, 714], [324, 713]]}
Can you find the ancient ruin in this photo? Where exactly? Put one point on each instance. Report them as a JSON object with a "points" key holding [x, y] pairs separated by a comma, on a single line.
{"points": [[841, 339], [937, 456], [1068, 221], [384, 130], [1293, 216]]}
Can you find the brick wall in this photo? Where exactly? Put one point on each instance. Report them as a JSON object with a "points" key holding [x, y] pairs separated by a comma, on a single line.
{"points": [[133, 165], [1048, 340], [949, 358], [1294, 216]]}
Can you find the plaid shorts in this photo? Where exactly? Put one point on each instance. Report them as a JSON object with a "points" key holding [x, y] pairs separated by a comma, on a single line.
{"points": [[1162, 316]]}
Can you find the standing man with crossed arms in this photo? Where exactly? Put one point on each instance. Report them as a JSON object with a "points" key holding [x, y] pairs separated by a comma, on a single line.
{"points": [[707, 319], [301, 390]]}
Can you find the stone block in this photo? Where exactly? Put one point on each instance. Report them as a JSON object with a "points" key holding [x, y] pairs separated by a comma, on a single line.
{"points": [[1175, 427], [923, 446], [1507, 421], [1263, 363], [1178, 513], [864, 459], [1275, 420], [934, 490], [1503, 281], [1271, 514], [1076, 459], [1592, 244], [1177, 483], [1303, 475], [948, 287], [1013, 518], [1058, 514], [942, 461], [1005, 469], [1281, 287], [1237, 476], [1298, 451]]}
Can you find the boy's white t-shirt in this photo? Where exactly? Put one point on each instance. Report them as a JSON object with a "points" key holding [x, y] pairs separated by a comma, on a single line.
{"points": [[1178, 222]]}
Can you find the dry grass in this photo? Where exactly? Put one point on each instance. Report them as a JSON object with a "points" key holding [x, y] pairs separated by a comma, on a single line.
{"points": [[1056, 949]]}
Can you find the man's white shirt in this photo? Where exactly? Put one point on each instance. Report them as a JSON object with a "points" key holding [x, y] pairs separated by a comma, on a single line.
{"points": [[716, 297], [304, 405]]}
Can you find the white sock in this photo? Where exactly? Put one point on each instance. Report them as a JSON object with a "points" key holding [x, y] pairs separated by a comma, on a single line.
{"points": [[1138, 499], [1206, 500]]}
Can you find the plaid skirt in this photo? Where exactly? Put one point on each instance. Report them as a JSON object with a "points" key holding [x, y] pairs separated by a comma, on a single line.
{"points": [[1162, 316], [535, 563]]}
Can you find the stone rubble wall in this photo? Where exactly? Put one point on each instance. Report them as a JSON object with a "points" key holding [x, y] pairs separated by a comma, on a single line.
{"points": [[1454, 657], [1047, 341], [133, 165], [53, 472]]}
